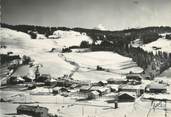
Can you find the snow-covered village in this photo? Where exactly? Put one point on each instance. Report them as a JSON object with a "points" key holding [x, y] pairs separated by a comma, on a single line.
{"points": [[76, 69]]}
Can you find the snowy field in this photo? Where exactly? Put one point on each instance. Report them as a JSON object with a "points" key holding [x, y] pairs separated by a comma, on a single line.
{"points": [[162, 43], [21, 43], [115, 64]]}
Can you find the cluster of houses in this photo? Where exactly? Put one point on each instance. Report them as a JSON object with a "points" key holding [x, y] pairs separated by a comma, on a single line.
{"points": [[124, 89], [132, 83]]}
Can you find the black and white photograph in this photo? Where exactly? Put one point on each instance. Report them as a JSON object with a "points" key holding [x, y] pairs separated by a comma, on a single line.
{"points": [[85, 58]]}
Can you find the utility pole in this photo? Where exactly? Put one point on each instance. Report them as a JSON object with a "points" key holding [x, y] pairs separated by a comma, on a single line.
{"points": [[165, 108], [82, 111]]}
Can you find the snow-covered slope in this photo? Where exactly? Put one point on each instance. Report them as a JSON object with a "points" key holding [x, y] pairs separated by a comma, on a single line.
{"points": [[116, 65], [70, 38], [21, 43], [163, 44]]}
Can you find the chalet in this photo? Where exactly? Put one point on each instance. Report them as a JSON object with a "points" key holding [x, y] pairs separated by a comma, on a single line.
{"points": [[116, 81], [58, 90], [31, 86], [13, 57], [41, 91], [15, 80], [168, 36], [138, 89], [134, 78], [113, 87], [85, 89], [126, 97], [147, 77], [101, 90], [63, 89], [156, 88], [75, 86], [102, 83], [63, 83], [27, 79], [157, 97], [93, 95], [50, 82], [35, 111], [43, 78]]}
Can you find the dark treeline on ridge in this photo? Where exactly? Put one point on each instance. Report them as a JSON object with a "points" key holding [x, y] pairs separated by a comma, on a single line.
{"points": [[126, 35]]}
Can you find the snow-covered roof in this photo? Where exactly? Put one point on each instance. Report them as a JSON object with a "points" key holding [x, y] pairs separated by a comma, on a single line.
{"points": [[95, 92], [103, 81], [156, 86], [157, 96], [132, 94]]}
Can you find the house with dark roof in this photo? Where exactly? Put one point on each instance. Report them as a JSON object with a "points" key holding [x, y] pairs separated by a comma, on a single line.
{"points": [[35, 111], [116, 81], [43, 78], [102, 83], [126, 97]]}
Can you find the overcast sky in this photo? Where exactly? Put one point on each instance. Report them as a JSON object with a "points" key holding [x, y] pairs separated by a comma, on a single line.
{"points": [[113, 14]]}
